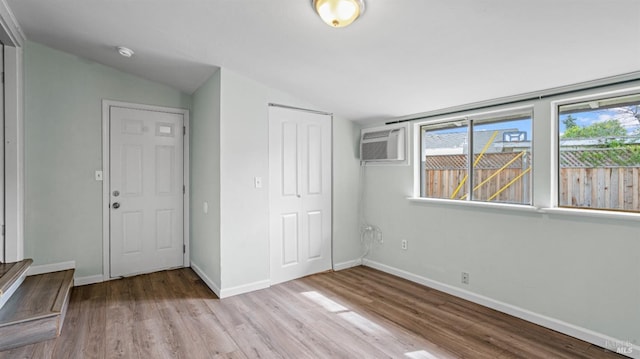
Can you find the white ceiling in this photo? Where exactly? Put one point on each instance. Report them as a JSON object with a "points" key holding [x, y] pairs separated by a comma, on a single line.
{"points": [[401, 57]]}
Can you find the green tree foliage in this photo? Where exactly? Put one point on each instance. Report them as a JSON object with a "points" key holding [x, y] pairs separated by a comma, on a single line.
{"points": [[569, 122], [610, 128]]}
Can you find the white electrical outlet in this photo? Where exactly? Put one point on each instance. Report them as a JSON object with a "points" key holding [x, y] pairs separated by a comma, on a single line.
{"points": [[404, 244], [257, 182], [465, 278]]}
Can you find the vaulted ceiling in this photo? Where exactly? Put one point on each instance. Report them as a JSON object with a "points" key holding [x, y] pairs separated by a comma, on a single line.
{"points": [[401, 57]]}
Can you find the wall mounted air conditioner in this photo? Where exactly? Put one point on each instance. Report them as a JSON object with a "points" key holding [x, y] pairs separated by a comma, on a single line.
{"points": [[382, 145]]}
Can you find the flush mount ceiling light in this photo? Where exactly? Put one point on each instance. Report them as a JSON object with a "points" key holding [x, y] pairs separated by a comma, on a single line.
{"points": [[125, 51], [339, 13]]}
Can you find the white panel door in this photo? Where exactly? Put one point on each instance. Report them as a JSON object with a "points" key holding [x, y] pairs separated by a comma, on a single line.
{"points": [[146, 191], [2, 204], [299, 193]]}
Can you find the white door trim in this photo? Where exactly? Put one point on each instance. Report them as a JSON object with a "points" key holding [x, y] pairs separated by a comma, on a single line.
{"points": [[12, 37], [106, 104], [13, 154]]}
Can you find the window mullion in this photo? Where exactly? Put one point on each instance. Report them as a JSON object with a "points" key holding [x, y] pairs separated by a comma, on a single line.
{"points": [[469, 183]]}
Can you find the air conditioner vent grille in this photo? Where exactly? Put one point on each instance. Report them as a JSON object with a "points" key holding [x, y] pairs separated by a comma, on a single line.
{"points": [[376, 134], [374, 151], [383, 145]]}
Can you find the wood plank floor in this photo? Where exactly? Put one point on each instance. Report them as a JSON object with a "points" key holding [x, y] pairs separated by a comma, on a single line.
{"points": [[10, 272], [355, 313], [23, 305], [36, 310]]}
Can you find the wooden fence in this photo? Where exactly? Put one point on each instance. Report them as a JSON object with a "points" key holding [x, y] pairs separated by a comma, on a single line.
{"points": [[581, 185], [444, 173], [607, 188]]}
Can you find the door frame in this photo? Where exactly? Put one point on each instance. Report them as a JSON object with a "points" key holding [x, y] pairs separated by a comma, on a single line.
{"points": [[2, 186], [106, 226], [13, 38]]}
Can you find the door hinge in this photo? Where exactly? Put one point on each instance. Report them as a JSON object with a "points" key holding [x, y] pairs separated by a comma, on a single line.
{"points": [[3, 77], [3, 230], [184, 130], [184, 248], [184, 189]]}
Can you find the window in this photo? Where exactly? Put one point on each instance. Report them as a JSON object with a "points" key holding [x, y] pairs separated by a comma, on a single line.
{"points": [[488, 157], [479, 158], [599, 154]]}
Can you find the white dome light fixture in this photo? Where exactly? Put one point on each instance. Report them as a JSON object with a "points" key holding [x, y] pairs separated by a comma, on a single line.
{"points": [[125, 51], [339, 13]]}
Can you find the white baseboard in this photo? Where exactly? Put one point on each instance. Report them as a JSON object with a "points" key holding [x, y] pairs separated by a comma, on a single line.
{"points": [[49, 268], [623, 347], [347, 264], [92, 279], [245, 288], [211, 284]]}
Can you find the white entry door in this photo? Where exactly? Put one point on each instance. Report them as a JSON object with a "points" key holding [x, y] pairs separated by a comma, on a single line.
{"points": [[300, 193], [146, 191]]}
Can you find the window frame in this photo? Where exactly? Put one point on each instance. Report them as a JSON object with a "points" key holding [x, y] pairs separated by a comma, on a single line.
{"points": [[469, 117], [555, 160]]}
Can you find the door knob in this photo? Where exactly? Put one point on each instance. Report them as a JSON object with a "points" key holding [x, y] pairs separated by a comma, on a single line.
{"points": [[115, 205]]}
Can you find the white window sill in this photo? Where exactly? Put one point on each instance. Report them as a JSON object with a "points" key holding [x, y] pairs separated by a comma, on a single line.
{"points": [[577, 212], [594, 213], [493, 205]]}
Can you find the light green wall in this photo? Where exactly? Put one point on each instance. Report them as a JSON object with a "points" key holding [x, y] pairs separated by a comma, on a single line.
{"points": [[244, 155], [63, 148], [346, 172], [205, 179]]}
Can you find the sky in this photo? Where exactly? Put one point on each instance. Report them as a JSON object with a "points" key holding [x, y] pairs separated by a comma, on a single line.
{"points": [[584, 119]]}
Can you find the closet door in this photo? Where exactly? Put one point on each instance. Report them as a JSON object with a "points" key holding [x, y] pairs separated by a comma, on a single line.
{"points": [[299, 193]]}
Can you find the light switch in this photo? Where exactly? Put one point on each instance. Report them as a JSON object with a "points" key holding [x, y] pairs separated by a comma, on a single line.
{"points": [[205, 207], [257, 181], [98, 175]]}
